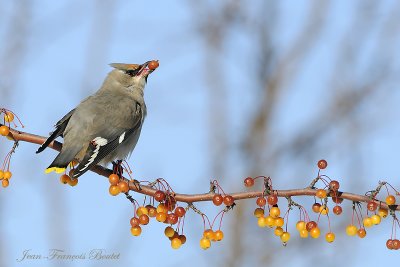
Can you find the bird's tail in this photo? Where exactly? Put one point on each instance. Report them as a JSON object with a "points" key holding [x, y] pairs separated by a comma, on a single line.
{"points": [[61, 162]]}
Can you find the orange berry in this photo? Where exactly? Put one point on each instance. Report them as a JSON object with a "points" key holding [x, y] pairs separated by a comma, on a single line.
{"points": [[315, 232], [217, 199], [180, 211], [182, 238], [322, 164], [113, 179], [396, 244], [159, 195], [372, 206], [4, 130], [274, 212], [65, 179], [279, 222], [351, 230], [153, 64], [161, 216], [7, 175], [337, 210], [278, 231], [228, 200], [316, 207], [248, 182], [9, 117], [300, 225], [321, 193], [390, 200], [330, 237], [152, 211], [176, 243], [169, 231], [303, 233], [258, 212], [136, 230], [285, 237], [208, 234], [334, 185], [261, 201], [205, 243], [272, 200], [219, 235], [172, 218], [361, 232], [113, 190], [142, 210], [144, 219], [134, 221], [383, 213], [123, 186], [73, 182], [162, 208], [5, 183]]}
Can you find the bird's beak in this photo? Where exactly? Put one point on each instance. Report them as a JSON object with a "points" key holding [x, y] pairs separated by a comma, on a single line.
{"points": [[144, 70]]}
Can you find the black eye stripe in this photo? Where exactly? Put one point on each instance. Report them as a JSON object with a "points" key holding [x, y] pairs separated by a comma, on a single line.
{"points": [[131, 72]]}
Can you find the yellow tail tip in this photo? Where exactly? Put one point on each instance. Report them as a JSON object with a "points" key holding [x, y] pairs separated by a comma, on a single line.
{"points": [[56, 169]]}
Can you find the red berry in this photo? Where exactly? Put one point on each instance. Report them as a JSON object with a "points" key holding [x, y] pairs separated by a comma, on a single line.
{"points": [[159, 195], [272, 200], [180, 211], [389, 244], [361, 232], [396, 244], [322, 164], [172, 218], [372, 206], [248, 182], [334, 185], [217, 199], [228, 200], [134, 221], [153, 64], [337, 210], [316, 207], [261, 201], [310, 225], [144, 219]]}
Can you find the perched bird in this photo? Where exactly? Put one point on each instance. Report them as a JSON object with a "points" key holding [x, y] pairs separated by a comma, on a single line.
{"points": [[105, 126]]}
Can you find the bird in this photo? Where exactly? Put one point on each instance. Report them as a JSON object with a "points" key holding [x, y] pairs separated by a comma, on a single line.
{"points": [[106, 125]]}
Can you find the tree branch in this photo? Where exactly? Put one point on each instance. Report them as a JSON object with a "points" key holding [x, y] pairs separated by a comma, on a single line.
{"points": [[190, 198]]}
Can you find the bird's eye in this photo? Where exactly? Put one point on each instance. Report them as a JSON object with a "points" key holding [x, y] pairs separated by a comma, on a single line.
{"points": [[131, 72]]}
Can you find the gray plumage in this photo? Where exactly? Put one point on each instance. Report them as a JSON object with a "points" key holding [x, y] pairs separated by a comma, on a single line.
{"points": [[105, 126]]}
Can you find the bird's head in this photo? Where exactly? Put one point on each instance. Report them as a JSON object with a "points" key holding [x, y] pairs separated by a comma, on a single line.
{"points": [[133, 75]]}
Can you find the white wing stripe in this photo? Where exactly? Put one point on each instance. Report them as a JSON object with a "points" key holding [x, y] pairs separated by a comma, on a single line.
{"points": [[99, 143], [121, 138]]}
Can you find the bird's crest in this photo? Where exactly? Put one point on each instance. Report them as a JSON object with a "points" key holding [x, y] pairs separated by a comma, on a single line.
{"points": [[123, 66]]}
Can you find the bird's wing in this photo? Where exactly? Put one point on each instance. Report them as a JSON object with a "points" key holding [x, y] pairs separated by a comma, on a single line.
{"points": [[60, 127], [108, 141]]}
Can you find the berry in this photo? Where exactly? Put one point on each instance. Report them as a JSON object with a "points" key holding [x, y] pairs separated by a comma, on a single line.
{"points": [[161, 216], [300, 225], [153, 64], [324, 210], [248, 182], [172, 218], [390, 200], [228, 200], [261, 201], [208, 233], [275, 212], [4, 130], [180, 211], [372, 206], [262, 222], [330, 237], [7, 175], [258, 212], [182, 238], [142, 210], [351, 230], [269, 221], [316, 207], [5, 183], [285, 237], [383, 213], [113, 179], [321, 193], [144, 219], [367, 222], [272, 200], [361, 232], [279, 222], [337, 210], [176, 243], [303, 233], [175, 235], [311, 225], [315, 232], [73, 182], [65, 179], [159, 195], [134, 221], [396, 244], [114, 190], [170, 203], [152, 211], [322, 164], [334, 185], [161, 208], [169, 231], [9, 117], [219, 235], [376, 219], [389, 243], [217, 199], [205, 243], [136, 230], [278, 231]]}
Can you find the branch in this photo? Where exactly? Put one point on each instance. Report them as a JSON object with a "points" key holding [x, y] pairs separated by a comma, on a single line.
{"points": [[190, 198]]}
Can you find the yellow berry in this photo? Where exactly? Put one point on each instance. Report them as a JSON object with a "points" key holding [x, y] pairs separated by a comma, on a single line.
{"points": [[162, 208], [209, 233], [303, 233], [205, 243], [7, 175], [4, 130], [390, 200], [176, 243], [315, 232], [279, 222], [9, 117], [321, 193], [383, 213], [169, 231], [300, 225], [285, 237], [376, 219], [258, 212], [278, 231], [161, 216], [136, 230], [351, 230], [114, 190], [323, 210], [219, 235], [262, 222], [142, 210], [5, 183], [330, 237], [275, 212], [367, 222], [269, 221]]}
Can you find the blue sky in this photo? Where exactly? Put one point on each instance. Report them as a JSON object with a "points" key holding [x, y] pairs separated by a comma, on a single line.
{"points": [[61, 64]]}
